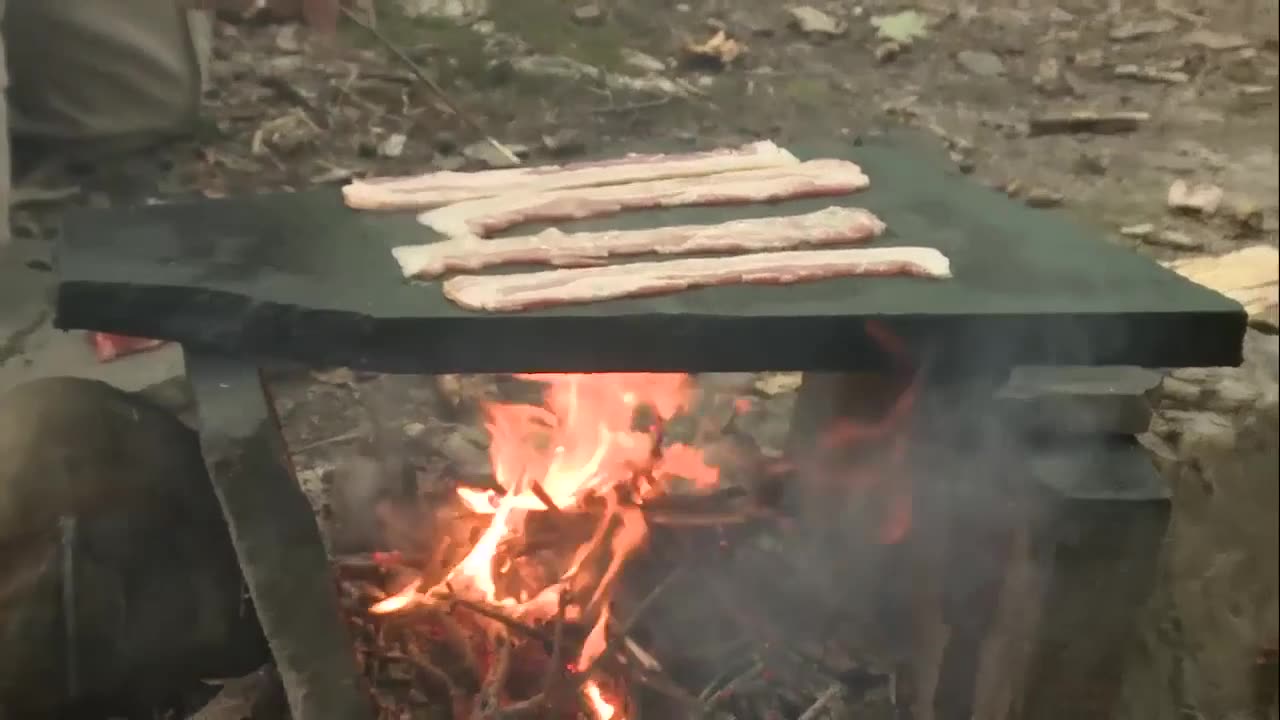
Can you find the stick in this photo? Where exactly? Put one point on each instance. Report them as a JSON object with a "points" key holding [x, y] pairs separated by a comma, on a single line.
{"points": [[822, 702], [541, 493], [496, 616], [432, 85], [626, 627]]}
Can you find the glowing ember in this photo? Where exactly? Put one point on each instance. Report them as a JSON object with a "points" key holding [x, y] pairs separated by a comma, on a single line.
{"points": [[397, 602]]}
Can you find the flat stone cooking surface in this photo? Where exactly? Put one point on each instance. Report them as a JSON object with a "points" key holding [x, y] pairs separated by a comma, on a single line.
{"points": [[301, 277]]}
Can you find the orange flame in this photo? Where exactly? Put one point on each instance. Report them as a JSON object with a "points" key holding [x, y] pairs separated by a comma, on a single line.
{"points": [[590, 437], [603, 709]]}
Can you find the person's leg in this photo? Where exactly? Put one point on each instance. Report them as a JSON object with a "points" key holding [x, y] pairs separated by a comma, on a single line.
{"points": [[5, 178], [104, 69], [106, 509]]}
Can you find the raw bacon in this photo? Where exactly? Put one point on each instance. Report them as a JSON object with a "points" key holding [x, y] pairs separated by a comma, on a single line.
{"points": [[523, 291], [441, 188], [832, 226], [813, 178]]}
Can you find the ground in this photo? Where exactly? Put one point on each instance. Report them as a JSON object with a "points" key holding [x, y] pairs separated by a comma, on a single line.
{"points": [[552, 78]]}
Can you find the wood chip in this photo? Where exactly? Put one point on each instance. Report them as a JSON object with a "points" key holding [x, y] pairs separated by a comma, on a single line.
{"points": [[1250, 276]]}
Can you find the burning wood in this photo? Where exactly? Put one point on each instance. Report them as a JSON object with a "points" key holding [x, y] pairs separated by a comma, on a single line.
{"points": [[592, 507]]}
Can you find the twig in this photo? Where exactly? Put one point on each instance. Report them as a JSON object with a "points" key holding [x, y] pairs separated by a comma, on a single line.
{"points": [[632, 107], [733, 685], [432, 85], [541, 493], [496, 616], [491, 694], [626, 627], [345, 437], [825, 699]]}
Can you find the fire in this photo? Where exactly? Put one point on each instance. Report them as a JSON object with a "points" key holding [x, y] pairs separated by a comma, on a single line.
{"points": [[594, 448], [602, 708], [595, 436]]}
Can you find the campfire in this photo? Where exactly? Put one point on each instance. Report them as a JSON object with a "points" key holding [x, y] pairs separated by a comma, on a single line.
{"points": [[552, 589]]}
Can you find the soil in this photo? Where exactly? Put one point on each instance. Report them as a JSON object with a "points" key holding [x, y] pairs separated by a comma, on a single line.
{"points": [[286, 110]]}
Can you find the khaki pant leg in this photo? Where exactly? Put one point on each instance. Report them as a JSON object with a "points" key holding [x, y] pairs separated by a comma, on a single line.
{"points": [[104, 69]]}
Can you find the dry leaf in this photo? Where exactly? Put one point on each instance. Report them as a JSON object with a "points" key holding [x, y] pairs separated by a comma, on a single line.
{"points": [[720, 48]]}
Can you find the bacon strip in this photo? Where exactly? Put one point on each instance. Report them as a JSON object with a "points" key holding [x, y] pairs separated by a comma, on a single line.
{"points": [[523, 291], [814, 178], [832, 226], [441, 188]]}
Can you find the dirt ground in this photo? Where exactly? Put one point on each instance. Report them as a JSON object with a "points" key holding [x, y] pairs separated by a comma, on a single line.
{"points": [[552, 79]]}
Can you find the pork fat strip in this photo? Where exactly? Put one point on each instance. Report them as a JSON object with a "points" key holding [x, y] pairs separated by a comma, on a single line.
{"points": [[814, 178], [442, 188], [524, 291], [832, 226]]}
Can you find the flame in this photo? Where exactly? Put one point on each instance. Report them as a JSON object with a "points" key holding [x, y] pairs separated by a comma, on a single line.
{"points": [[596, 437], [601, 707], [398, 601], [582, 442]]}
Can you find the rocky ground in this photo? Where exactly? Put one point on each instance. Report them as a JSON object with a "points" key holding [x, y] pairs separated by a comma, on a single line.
{"points": [[1185, 89]]}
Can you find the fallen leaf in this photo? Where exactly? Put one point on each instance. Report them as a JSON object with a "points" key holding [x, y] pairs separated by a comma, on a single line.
{"points": [[902, 28], [720, 49], [812, 20]]}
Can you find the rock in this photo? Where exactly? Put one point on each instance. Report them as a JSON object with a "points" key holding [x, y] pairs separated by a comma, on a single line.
{"points": [[1141, 231], [642, 61], [414, 429], [1073, 400], [458, 10], [902, 28], [1061, 17], [448, 162], [1211, 40], [589, 14], [287, 39], [564, 141], [1042, 198], [1050, 79], [1150, 74], [485, 153], [1086, 121], [1247, 214], [1180, 392], [1232, 393], [771, 384], [1202, 198], [1141, 29], [1173, 239], [980, 62], [1195, 375], [815, 22], [887, 51], [1092, 162], [1202, 432], [393, 146], [1088, 58]]}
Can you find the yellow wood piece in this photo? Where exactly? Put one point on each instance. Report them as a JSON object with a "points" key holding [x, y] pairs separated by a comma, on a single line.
{"points": [[1250, 276]]}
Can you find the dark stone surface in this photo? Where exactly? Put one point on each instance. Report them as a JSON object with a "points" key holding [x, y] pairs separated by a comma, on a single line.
{"points": [[1105, 515], [1076, 401], [277, 541], [301, 277]]}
